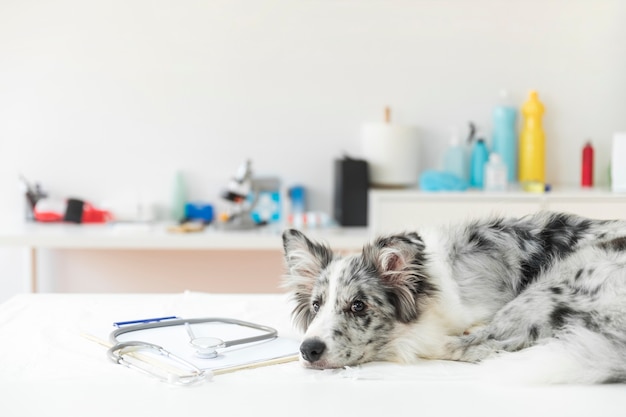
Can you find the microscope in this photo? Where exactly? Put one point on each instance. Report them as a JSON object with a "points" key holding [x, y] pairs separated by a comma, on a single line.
{"points": [[238, 192]]}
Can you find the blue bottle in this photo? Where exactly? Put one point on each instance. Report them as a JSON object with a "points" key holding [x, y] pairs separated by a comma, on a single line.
{"points": [[480, 156], [454, 160], [505, 137]]}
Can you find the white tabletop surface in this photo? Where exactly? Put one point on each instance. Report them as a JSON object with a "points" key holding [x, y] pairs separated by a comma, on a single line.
{"points": [[48, 368]]}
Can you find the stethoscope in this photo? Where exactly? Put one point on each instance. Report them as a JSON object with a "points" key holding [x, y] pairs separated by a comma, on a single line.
{"points": [[206, 347]]}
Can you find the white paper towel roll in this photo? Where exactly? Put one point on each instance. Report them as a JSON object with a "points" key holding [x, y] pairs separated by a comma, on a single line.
{"points": [[392, 152]]}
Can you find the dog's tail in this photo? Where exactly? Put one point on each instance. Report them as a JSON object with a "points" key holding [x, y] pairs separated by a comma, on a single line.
{"points": [[578, 356]]}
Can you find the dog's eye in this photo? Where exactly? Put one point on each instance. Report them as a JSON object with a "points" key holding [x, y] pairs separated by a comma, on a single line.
{"points": [[316, 306], [357, 307]]}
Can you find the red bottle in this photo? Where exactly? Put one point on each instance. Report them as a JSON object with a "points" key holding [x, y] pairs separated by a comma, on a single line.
{"points": [[587, 168]]}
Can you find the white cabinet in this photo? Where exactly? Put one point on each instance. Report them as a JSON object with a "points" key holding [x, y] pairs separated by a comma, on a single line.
{"points": [[400, 210], [598, 206]]}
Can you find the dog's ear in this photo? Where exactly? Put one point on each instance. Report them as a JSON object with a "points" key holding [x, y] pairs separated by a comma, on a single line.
{"points": [[399, 260], [394, 255], [304, 258], [305, 261]]}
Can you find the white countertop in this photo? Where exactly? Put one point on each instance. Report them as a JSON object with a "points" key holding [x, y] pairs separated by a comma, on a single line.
{"points": [[156, 236], [515, 193], [48, 368]]}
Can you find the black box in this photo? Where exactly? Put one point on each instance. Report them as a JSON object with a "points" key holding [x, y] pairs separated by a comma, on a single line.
{"points": [[74, 210], [351, 178]]}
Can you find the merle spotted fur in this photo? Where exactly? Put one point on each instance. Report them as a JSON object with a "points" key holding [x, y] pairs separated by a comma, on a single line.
{"points": [[550, 287]]}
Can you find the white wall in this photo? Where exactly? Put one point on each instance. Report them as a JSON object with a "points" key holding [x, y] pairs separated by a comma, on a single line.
{"points": [[106, 99]]}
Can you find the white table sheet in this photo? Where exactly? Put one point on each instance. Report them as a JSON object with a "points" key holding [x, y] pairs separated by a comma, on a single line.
{"points": [[48, 368]]}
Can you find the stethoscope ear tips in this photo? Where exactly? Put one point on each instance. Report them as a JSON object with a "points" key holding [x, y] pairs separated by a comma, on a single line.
{"points": [[206, 347]]}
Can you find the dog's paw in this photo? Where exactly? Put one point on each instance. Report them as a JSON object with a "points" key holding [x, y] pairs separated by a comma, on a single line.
{"points": [[471, 348]]}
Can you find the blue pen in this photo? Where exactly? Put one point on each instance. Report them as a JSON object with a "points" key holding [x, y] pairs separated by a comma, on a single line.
{"points": [[152, 320]]}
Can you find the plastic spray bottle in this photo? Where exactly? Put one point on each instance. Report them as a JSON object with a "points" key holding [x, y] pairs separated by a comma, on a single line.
{"points": [[532, 157], [504, 141]]}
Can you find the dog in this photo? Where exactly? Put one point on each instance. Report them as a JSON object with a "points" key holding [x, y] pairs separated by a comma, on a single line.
{"points": [[549, 286]]}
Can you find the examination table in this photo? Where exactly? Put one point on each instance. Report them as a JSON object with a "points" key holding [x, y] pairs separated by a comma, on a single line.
{"points": [[49, 367]]}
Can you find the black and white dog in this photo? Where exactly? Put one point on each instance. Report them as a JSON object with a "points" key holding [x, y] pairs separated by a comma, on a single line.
{"points": [[549, 286]]}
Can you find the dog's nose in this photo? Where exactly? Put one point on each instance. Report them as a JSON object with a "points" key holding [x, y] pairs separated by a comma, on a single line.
{"points": [[312, 349]]}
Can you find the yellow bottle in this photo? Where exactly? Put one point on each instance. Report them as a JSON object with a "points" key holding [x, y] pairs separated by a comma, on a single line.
{"points": [[532, 142]]}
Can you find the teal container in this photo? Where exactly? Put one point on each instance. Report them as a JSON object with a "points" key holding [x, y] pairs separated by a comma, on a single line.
{"points": [[480, 156], [505, 139]]}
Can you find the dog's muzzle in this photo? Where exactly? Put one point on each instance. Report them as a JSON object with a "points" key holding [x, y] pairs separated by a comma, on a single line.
{"points": [[312, 349]]}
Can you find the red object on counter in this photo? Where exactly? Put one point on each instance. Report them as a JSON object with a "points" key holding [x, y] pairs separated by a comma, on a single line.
{"points": [[94, 215], [587, 167], [47, 216], [90, 215]]}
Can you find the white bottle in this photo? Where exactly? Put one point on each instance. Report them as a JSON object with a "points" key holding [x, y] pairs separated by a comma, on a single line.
{"points": [[495, 174]]}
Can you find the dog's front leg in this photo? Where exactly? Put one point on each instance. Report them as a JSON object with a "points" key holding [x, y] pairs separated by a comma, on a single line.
{"points": [[518, 325]]}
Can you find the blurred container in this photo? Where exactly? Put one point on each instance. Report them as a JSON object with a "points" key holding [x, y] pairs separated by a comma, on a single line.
{"points": [[480, 156], [532, 158], [199, 211], [586, 179], [297, 208], [179, 197], [495, 174], [504, 141], [455, 160], [618, 167]]}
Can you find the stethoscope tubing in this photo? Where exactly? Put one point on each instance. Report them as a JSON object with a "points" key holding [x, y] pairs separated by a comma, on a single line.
{"points": [[270, 332]]}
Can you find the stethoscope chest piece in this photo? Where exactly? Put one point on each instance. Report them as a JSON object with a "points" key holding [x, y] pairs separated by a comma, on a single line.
{"points": [[206, 347]]}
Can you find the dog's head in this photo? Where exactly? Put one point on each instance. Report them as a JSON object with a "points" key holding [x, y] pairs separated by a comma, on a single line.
{"points": [[350, 306]]}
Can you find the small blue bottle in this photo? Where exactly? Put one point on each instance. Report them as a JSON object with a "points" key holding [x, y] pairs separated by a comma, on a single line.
{"points": [[480, 156], [504, 135]]}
